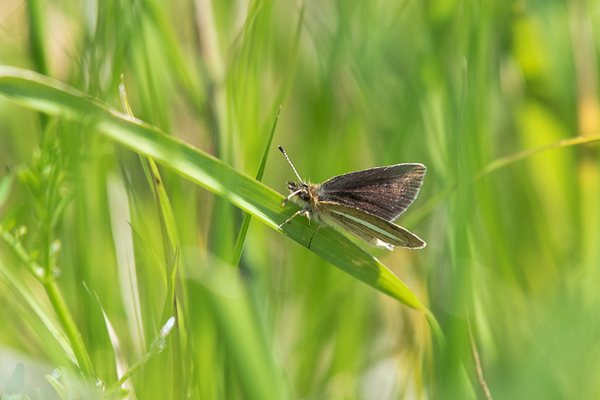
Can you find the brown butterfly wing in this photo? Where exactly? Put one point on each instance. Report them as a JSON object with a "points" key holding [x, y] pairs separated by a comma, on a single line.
{"points": [[383, 191], [370, 228]]}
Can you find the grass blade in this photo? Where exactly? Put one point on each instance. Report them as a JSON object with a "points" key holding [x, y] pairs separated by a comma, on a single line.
{"points": [[241, 239], [50, 96]]}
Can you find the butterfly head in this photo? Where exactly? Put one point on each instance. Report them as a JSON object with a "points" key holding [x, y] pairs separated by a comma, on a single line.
{"points": [[299, 191]]}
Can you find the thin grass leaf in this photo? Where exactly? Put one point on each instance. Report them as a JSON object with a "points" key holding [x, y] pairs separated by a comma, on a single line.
{"points": [[126, 262], [506, 161], [241, 239], [176, 299], [121, 365], [52, 97], [167, 217], [5, 186], [37, 48], [236, 315], [73, 347]]}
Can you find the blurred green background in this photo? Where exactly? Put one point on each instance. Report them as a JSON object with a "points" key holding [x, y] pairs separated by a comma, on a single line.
{"points": [[511, 269]]}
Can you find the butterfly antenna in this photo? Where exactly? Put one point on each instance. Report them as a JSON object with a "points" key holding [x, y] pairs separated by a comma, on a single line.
{"points": [[288, 160]]}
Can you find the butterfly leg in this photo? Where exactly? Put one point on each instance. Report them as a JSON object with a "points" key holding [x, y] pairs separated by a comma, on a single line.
{"points": [[306, 213], [289, 197]]}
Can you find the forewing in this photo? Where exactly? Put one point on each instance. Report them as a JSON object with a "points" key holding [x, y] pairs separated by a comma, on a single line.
{"points": [[370, 227], [383, 191]]}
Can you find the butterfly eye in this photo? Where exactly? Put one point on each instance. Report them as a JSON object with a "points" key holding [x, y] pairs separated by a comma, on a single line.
{"points": [[304, 196]]}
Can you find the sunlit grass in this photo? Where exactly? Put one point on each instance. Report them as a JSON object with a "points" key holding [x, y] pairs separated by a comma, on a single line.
{"points": [[144, 258]]}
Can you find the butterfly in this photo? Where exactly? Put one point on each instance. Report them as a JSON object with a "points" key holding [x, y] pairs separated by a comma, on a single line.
{"points": [[363, 203]]}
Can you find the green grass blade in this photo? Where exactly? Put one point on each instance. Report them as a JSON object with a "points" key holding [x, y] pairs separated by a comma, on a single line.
{"points": [[54, 296], [37, 49], [52, 97], [29, 302], [241, 239], [506, 161], [240, 330], [5, 185]]}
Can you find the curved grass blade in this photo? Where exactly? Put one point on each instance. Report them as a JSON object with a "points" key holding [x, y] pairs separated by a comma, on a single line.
{"points": [[503, 162], [50, 96]]}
